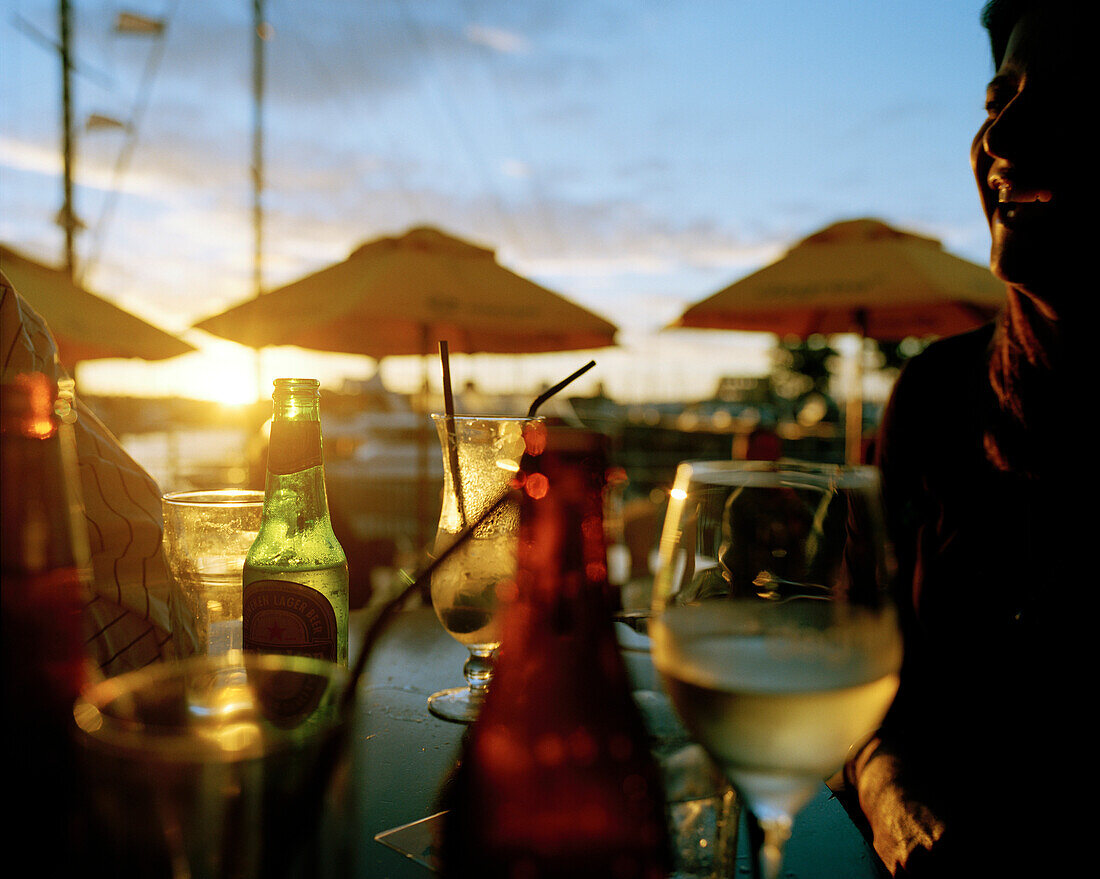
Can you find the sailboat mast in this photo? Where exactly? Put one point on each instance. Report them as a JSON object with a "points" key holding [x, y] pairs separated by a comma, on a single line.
{"points": [[258, 33], [68, 214]]}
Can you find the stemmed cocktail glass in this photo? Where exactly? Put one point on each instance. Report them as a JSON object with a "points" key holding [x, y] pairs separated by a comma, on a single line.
{"points": [[481, 455], [772, 625]]}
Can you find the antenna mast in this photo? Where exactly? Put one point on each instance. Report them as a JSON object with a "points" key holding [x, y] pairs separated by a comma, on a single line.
{"points": [[67, 217], [259, 32]]}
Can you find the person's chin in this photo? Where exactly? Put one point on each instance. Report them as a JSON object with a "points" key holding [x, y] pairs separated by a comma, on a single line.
{"points": [[1011, 267], [1024, 257], [1038, 244], [1033, 272], [1010, 260]]}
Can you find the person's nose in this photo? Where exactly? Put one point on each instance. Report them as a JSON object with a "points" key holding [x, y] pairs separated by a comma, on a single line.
{"points": [[1007, 134]]}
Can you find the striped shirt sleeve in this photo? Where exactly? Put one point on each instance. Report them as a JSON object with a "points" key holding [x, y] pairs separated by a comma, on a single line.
{"points": [[129, 617]]}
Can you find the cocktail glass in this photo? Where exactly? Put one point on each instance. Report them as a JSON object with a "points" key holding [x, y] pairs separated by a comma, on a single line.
{"points": [[481, 455]]}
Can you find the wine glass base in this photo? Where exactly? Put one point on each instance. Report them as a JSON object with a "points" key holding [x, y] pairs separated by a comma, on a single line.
{"points": [[458, 705]]}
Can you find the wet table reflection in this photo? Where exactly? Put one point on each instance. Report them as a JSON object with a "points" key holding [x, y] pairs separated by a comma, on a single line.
{"points": [[403, 755]]}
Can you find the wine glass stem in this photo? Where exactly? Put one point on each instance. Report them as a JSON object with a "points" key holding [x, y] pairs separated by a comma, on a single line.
{"points": [[479, 670], [776, 833], [728, 819]]}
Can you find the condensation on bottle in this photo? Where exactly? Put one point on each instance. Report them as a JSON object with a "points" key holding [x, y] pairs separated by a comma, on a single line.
{"points": [[556, 777], [295, 577]]}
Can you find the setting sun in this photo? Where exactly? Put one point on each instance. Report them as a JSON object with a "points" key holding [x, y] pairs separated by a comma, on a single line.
{"points": [[222, 380], [221, 373]]}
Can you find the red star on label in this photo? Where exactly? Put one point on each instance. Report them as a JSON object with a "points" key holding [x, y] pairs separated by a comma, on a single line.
{"points": [[275, 632]]}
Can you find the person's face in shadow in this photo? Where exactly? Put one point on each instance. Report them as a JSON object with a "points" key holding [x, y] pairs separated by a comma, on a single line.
{"points": [[1026, 164]]}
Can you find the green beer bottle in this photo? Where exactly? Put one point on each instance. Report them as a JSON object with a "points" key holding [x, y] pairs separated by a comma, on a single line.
{"points": [[296, 573]]}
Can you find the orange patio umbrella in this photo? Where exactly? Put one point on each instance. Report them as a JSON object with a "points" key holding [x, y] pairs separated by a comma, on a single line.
{"points": [[401, 295], [858, 276], [85, 326]]}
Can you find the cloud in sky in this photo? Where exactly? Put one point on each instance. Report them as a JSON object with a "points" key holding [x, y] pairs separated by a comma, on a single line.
{"points": [[611, 149], [497, 39]]}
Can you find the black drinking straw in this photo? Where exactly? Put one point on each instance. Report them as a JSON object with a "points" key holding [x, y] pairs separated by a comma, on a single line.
{"points": [[549, 392], [374, 631], [452, 436], [379, 623]]}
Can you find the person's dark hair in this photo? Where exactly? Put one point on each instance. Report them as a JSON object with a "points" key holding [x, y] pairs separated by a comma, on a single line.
{"points": [[999, 17]]}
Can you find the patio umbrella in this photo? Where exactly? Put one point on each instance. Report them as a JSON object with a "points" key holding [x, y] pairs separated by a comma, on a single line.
{"points": [[401, 295], [85, 326], [859, 276]]}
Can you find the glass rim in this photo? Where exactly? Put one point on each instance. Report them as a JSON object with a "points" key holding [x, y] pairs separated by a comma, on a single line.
{"points": [[97, 727], [290, 381], [214, 497], [843, 474], [442, 415]]}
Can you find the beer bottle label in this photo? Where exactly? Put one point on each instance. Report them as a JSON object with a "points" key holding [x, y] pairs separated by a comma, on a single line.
{"points": [[294, 446], [281, 616], [288, 698]]}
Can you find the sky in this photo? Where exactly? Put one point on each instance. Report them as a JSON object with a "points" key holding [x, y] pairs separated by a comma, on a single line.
{"points": [[633, 155]]}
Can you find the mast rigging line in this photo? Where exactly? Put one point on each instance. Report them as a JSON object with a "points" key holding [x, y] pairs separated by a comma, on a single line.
{"points": [[125, 154], [517, 136], [416, 32], [259, 35], [334, 93]]}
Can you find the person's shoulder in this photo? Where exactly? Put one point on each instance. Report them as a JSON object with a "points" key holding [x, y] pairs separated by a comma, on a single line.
{"points": [[950, 368], [946, 379], [952, 355], [25, 339]]}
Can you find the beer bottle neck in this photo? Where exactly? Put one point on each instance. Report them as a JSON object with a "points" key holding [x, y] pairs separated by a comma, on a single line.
{"points": [[295, 506], [296, 399], [295, 487], [295, 442]]}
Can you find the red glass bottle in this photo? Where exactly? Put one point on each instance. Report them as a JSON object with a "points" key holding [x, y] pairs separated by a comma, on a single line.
{"points": [[556, 777], [44, 561]]}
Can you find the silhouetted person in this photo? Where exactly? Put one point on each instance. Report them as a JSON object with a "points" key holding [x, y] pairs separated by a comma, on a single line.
{"points": [[128, 618], [980, 767], [764, 444]]}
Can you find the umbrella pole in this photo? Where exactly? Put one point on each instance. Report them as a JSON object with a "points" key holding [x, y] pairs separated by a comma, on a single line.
{"points": [[422, 505], [853, 416]]}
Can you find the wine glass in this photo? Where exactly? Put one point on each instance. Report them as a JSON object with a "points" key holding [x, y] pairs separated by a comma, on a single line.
{"points": [[773, 627], [481, 456]]}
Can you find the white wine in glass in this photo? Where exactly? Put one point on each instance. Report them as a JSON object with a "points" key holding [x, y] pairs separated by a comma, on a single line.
{"points": [[773, 627]]}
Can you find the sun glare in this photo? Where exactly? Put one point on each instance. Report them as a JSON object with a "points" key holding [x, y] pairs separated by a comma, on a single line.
{"points": [[224, 382]]}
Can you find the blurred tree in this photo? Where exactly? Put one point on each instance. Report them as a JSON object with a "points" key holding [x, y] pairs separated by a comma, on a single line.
{"points": [[892, 355], [802, 367], [805, 367]]}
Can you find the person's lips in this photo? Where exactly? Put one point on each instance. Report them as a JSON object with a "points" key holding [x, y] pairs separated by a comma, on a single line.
{"points": [[1006, 192], [1017, 204]]}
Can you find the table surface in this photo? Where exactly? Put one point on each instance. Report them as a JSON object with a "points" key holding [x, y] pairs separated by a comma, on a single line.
{"points": [[402, 754]]}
